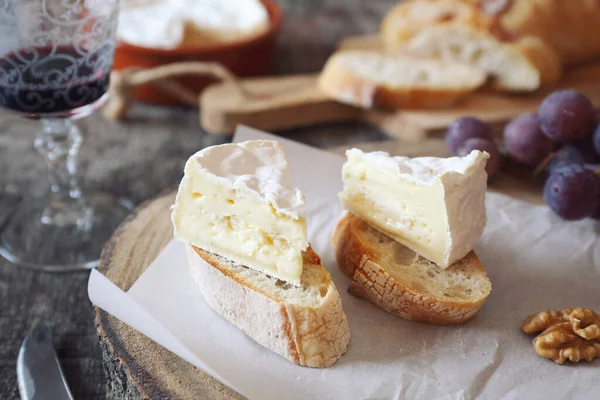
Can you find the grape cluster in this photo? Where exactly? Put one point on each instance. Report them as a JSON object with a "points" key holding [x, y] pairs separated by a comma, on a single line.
{"points": [[564, 134]]}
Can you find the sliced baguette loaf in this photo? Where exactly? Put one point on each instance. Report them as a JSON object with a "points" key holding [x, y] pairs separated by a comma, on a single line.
{"points": [[519, 66], [304, 324], [369, 79], [395, 278], [571, 27]]}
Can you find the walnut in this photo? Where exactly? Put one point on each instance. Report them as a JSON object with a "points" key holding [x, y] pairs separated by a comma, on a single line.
{"points": [[569, 334], [585, 323], [560, 343], [545, 319]]}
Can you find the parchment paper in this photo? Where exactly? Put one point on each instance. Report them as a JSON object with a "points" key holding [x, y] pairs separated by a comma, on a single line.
{"points": [[535, 262]]}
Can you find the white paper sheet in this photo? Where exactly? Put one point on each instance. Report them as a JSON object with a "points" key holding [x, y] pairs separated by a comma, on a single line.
{"points": [[535, 261]]}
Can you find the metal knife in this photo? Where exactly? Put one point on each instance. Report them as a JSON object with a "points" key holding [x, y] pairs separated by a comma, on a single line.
{"points": [[39, 374]]}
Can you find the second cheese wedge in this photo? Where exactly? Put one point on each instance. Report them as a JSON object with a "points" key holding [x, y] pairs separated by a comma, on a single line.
{"points": [[434, 206], [238, 201]]}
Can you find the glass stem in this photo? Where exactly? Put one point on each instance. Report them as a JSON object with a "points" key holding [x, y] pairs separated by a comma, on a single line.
{"points": [[59, 143]]}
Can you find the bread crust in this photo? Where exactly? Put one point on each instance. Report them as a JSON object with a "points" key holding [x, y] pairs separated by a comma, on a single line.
{"points": [[571, 28], [541, 57], [360, 260], [346, 87], [307, 336]]}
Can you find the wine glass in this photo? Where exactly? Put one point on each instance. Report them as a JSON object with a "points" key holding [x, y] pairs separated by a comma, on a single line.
{"points": [[55, 62]]}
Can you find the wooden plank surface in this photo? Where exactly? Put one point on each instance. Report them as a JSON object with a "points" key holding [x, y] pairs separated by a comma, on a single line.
{"points": [[136, 159]]}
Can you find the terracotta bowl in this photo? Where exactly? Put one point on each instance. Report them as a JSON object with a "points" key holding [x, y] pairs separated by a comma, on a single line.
{"points": [[251, 57]]}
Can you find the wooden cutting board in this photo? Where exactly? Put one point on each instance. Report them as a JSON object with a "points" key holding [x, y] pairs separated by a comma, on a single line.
{"points": [[138, 368], [284, 102]]}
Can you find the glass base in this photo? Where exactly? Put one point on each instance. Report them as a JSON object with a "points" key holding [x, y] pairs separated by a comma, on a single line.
{"points": [[40, 235]]}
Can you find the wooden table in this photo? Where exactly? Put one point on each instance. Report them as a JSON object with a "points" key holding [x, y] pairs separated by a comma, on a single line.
{"points": [[137, 159]]}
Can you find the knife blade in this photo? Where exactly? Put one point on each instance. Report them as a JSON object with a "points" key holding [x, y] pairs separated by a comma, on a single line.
{"points": [[39, 374]]}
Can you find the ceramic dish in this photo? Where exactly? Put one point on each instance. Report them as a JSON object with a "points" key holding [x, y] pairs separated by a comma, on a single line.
{"points": [[249, 57]]}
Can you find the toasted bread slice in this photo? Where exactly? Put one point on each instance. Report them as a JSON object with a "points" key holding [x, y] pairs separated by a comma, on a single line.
{"points": [[304, 324], [369, 79], [395, 278]]}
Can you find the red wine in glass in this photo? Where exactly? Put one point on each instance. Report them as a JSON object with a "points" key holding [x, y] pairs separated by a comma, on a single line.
{"points": [[52, 80], [55, 62]]}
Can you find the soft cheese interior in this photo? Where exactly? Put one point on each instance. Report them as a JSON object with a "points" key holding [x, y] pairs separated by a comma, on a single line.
{"points": [[435, 206], [238, 201]]}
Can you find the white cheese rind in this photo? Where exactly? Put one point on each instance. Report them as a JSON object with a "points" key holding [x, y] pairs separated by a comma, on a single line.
{"points": [[435, 206], [162, 24], [238, 201]]}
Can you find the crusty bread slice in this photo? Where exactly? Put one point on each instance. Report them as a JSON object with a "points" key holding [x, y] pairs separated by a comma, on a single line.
{"points": [[395, 278], [369, 79], [304, 324], [519, 66]]}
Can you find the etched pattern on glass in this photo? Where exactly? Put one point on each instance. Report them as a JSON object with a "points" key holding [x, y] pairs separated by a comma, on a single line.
{"points": [[56, 56]]}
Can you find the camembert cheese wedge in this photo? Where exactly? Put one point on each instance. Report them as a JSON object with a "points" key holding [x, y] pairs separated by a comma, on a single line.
{"points": [[238, 201], [435, 206]]}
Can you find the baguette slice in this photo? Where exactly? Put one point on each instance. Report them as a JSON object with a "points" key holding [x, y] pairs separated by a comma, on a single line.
{"points": [[396, 279], [369, 79], [304, 324], [520, 66]]}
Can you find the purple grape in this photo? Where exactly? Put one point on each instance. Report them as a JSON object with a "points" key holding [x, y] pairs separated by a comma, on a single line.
{"points": [[572, 192], [587, 150], [596, 214], [489, 146], [465, 128], [524, 140], [596, 139], [567, 116], [567, 155]]}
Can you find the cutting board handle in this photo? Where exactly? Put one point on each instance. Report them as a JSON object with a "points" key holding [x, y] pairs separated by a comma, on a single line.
{"points": [[273, 103]]}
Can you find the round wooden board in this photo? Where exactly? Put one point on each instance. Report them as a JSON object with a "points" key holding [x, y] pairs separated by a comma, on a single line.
{"points": [[138, 368]]}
